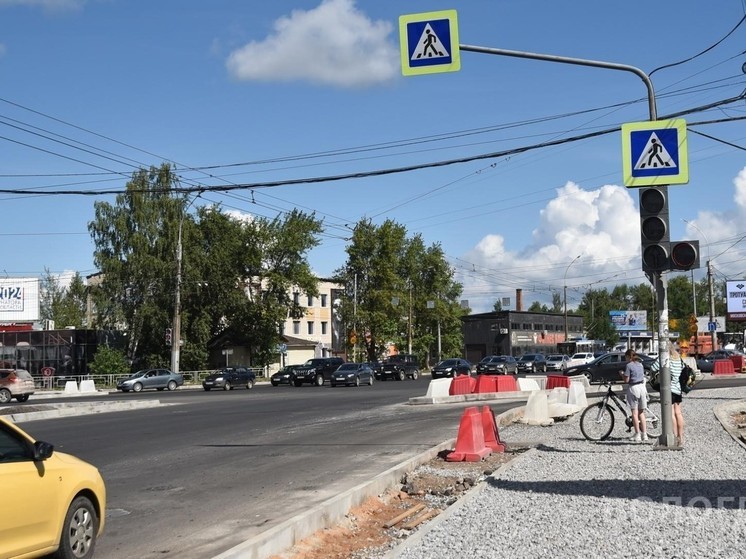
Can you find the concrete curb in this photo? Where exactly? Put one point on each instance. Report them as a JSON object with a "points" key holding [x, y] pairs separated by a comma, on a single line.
{"points": [[329, 513], [70, 410], [290, 532], [723, 413]]}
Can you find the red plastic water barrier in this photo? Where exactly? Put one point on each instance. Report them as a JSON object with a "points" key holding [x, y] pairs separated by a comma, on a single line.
{"points": [[723, 367], [470, 445], [462, 384], [555, 381], [485, 383], [506, 383], [739, 363], [491, 433]]}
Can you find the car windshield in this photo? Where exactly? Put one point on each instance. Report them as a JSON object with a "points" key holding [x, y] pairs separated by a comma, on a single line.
{"points": [[555, 358], [499, 359], [580, 356], [448, 363], [528, 357], [348, 367], [139, 373]]}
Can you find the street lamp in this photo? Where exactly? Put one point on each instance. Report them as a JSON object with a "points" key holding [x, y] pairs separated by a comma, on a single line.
{"points": [[564, 281], [176, 334]]}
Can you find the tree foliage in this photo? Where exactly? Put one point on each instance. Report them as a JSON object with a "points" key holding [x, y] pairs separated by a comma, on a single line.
{"points": [[397, 291], [66, 306], [235, 273]]}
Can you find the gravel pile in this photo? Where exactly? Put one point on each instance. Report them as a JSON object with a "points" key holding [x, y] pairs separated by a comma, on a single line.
{"points": [[573, 498]]}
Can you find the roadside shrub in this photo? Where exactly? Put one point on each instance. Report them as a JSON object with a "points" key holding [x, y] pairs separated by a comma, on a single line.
{"points": [[108, 361]]}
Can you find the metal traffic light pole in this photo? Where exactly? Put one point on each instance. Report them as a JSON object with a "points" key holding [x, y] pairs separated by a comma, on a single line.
{"points": [[658, 279]]}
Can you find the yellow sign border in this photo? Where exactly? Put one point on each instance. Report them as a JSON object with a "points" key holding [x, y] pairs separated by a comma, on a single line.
{"points": [[455, 64], [634, 182]]}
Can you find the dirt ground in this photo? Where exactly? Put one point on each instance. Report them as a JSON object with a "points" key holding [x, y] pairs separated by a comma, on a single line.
{"points": [[379, 524]]}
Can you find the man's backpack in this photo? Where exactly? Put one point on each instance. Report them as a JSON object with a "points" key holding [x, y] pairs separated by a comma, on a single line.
{"points": [[687, 378]]}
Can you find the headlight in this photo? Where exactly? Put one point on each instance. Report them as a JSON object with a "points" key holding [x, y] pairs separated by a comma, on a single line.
{"points": [[218, 378], [449, 369], [350, 375]]}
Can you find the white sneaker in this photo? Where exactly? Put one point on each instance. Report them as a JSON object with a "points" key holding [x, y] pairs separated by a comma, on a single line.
{"points": [[644, 437], [636, 438]]}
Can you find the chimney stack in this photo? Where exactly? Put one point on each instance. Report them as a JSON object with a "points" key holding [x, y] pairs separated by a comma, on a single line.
{"points": [[519, 300]]}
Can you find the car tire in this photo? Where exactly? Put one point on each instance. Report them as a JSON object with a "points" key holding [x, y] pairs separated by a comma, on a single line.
{"points": [[370, 381], [319, 380], [206, 389], [171, 385], [22, 398], [275, 383], [357, 381], [249, 385], [79, 531], [415, 374], [227, 386], [137, 387], [588, 375], [401, 375], [5, 396], [297, 383]]}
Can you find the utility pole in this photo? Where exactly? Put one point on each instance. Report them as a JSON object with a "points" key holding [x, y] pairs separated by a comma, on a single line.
{"points": [[409, 323], [713, 333]]}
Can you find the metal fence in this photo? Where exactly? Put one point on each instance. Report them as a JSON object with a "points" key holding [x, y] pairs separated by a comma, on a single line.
{"points": [[110, 381]]}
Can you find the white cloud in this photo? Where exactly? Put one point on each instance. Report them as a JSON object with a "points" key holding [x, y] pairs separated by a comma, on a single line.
{"points": [[601, 226], [333, 44]]}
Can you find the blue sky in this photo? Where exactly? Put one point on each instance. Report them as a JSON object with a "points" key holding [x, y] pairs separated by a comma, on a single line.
{"points": [[235, 92]]}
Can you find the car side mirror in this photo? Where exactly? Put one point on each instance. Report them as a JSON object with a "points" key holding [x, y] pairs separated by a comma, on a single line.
{"points": [[42, 451]]}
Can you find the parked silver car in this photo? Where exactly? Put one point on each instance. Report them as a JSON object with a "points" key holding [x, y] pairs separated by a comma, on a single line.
{"points": [[160, 379], [15, 383]]}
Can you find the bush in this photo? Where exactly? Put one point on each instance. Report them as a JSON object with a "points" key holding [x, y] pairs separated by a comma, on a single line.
{"points": [[108, 361]]}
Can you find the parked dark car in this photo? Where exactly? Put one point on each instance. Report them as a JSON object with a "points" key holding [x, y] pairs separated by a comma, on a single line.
{"points": [[497, 365], [399, 367], [352, 374], [145, 379], [606, 368], [558, 362], [532, 363], [707, 363], [229, 378], [451, 368], [283, 376], [316, 371]]}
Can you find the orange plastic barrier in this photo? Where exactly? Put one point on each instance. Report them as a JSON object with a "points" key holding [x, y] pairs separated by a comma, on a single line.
{"points": [[723, 367], [506, 383], [462, 384], [555, 381], [485, 383], [739, 363], [470, 445], [491, 433]]}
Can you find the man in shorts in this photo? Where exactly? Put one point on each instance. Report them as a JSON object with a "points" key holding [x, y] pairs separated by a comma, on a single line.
{"points": [[637, 394]]}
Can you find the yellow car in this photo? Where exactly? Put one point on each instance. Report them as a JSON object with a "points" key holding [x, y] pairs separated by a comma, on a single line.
{"points": [[52, 502]]}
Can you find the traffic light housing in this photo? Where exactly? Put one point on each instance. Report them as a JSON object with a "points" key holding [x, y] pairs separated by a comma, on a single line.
{"points": [[654, 229], [168, 336], [684, 255]]}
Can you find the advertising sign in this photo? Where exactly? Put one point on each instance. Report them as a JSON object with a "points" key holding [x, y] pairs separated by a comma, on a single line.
{"points": [[735, 300], [19, 299], [703, 324], [627, 321]]}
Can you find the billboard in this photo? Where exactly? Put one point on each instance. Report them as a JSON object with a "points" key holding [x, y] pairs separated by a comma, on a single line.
{"points": [[735, 300], [19, 299], [628, 321]]}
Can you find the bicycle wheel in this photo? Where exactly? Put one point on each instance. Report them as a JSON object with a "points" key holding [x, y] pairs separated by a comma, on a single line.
{"points": [[597, 422], [653, 419]]}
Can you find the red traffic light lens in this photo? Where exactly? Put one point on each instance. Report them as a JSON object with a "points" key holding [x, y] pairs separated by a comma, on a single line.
{"points": [[683, 255]]}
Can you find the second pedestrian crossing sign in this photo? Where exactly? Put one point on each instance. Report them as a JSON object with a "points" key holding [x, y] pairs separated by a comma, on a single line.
{"points": [[429, 43], [654, 153]]}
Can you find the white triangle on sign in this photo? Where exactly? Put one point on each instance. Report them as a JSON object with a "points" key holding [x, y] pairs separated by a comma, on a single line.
{"points": [[654, 155], [429, 45]]}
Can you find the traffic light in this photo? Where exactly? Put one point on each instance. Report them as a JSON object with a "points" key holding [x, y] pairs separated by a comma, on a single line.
{"points": [[168, 336], [654, 229], [684, 255]]}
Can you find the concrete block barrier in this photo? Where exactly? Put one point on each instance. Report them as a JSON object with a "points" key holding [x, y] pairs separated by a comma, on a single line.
{"points": [[71, 387], [87, 386]]}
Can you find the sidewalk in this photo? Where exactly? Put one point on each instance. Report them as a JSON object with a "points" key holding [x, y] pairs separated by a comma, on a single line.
{"points": [[573, 498]]}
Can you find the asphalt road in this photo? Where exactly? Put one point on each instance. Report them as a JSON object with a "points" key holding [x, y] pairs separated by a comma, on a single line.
{"points": [[206, 471]]}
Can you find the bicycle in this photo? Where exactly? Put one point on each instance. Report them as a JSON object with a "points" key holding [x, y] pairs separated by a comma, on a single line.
{"points": [[597, 420]]}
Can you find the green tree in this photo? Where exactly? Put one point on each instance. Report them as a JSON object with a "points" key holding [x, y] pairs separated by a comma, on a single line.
{"points": [[66, 306], [397, 290], [109, 361], [536, 306], [498, 306]]}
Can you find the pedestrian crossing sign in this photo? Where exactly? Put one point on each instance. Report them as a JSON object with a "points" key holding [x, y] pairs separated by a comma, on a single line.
{"points": [[429, 43], [654, 153]]}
